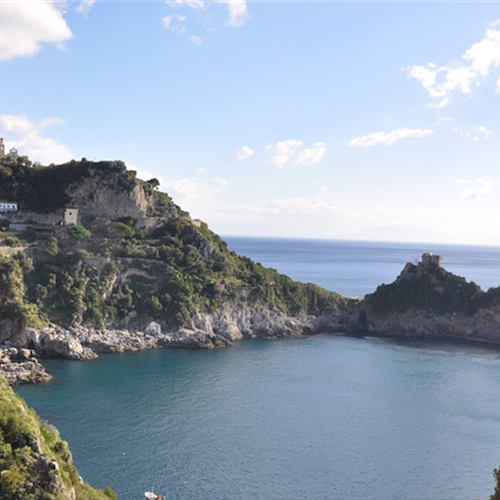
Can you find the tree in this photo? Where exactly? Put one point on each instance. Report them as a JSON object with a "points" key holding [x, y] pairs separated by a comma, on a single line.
{"points": [[496, 494], [154, 183], [79, 232]]}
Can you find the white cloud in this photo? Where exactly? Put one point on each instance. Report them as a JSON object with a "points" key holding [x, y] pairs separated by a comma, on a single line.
{"points": [[221, 181], [388, 138], [238, 11], [292, 206], [497, 91], [461, 76], [174, 23], [310, 156], [283, 152], [25, 26], [477, 134], [287, 152], [196, 40], [477, 189], [85, 6], [191, 192], [193, 4], [244, 153], [484, 131], [28, 139]]}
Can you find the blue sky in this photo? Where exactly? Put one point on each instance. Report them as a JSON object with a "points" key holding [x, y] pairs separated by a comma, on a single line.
{"points": [[367, 121]]}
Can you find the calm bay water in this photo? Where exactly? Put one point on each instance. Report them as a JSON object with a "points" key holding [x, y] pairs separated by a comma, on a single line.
{"points": [[322, 417]]}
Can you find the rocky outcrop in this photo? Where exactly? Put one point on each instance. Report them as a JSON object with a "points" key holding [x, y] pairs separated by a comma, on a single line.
{"points": [[20, 366], [106, 194], [484, 326], [99, 195], [428, 301], [235, 323], [55, 342]]}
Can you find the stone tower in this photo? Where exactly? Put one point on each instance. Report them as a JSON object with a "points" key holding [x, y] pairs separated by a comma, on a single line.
{"points": [[429, 260], [2, 147]]}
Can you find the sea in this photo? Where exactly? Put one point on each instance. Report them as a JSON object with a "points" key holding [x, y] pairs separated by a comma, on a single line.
{"points": [[325, 417]]}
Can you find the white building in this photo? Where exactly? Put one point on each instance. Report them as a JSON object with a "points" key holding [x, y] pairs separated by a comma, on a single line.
{"points": [[71, 217], [8, 206]]}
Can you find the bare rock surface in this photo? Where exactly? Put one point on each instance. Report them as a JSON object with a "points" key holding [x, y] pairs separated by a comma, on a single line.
{"points": [[20, 366]]}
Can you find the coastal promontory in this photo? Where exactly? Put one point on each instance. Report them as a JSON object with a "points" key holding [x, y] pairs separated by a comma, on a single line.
{"points": [[427, 300], [93, 259]]}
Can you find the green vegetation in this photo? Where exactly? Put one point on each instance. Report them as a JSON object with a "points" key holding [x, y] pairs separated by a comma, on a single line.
{"points": [[164, 275], [12, 241], [45, 188], [15, 305], [35, 463], [109, 271], [79, 233]]}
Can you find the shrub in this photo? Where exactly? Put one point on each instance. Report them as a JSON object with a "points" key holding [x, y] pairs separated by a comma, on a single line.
{"points": [[79, 232], [12, 241]]}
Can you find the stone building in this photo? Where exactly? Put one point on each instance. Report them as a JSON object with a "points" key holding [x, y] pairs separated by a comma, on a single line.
{"points": [[13, 153], [428, 259], [2, 147], [71, 217]]}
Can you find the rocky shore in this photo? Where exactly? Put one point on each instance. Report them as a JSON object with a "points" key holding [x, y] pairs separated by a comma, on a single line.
{"points": [[19, 358], [484, 326], [20, 366], [424, 301]]}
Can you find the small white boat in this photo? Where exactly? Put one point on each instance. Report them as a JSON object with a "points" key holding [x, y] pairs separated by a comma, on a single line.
{"points": [[153, 496]]}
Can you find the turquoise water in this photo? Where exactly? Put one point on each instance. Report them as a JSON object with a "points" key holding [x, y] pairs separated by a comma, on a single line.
{"points": [[317, 418]]}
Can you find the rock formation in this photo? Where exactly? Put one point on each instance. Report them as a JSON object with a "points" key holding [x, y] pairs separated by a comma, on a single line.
{"points": [[426, 300]]}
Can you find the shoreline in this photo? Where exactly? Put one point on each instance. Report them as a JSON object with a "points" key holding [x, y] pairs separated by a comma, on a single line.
{"points": [[27, 367]]}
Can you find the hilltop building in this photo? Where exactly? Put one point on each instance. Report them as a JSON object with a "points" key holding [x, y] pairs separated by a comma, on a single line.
{"points": [[8, 206], [13, 153], [428, 259], [71, 217]]}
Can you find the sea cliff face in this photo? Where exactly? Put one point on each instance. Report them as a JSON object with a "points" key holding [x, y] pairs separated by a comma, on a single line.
{"points": [[483, 326]]}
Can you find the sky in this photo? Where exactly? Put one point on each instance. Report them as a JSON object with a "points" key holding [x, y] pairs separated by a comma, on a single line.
{"points": [[308, 119]]}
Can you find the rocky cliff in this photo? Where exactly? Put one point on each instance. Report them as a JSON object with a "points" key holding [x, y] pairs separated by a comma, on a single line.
{"points": [[35, 463], [426, 300]]}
